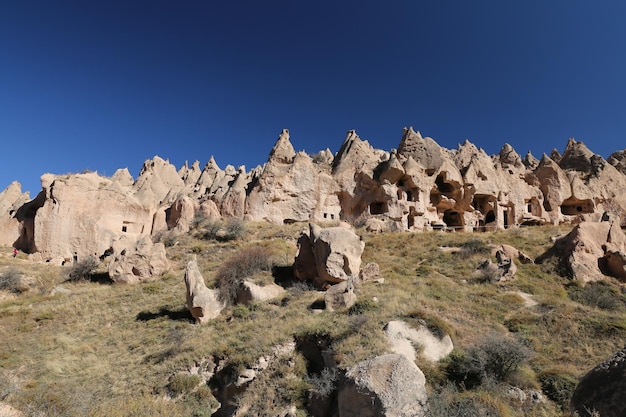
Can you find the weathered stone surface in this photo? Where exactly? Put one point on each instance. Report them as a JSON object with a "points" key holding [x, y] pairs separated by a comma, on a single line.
{"points": [[592, 251], [202, 302], [512, 253], [136, 261], [11, 199], [404, 338], [388, 385], [250, 292], [602, 389], [335, 252], [340, 296], [421, 186]]}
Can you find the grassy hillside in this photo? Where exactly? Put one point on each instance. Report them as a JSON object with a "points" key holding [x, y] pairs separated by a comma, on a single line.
{"points": [[126, 350]]}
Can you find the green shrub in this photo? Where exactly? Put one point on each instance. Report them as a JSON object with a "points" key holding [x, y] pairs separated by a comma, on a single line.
{"points": [[245, 263], [183, 383], [11, 280], [235, 229], [596, 294], [557, 385], [475, 247], [83, 270], [210, 230], [363, 306], [446, 401], [496, 358]]}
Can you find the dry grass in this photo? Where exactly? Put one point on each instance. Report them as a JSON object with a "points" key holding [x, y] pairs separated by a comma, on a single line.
{"points": [[113, 349]]}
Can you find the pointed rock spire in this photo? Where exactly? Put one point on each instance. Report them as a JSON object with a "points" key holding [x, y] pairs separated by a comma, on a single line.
{"points": [[283, 151]]}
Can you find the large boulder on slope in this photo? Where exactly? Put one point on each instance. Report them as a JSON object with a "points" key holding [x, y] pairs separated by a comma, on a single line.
{"points": [[202, 302], [136, 261], [592, 251], [388, 385], [335, 251], [603, 389]]}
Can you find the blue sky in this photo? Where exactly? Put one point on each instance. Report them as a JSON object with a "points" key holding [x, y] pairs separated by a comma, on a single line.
{"points": [[106, 85]]}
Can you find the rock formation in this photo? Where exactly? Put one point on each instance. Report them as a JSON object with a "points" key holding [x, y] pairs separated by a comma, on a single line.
{"points": [[202, 302], [603, 389], [388, 385], [592, 251], [328, 256], [419, 186], [137, 261]]}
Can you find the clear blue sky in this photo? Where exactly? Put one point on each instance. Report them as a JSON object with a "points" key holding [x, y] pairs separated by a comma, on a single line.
{"points": [[102, 85]]}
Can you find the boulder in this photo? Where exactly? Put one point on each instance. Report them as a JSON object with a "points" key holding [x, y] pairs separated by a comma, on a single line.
{"points": [[328, 256], [136, 261], [503, 270], [250, 292], [592, 251], [403, 340], [512, 253], [202, 302], [389, 385], [603, 389], [340, 296]]}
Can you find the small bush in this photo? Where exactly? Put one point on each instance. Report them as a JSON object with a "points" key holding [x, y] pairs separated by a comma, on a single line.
{"points": [[596, 294], [496, 358], [363, 306], [83, 270], [325, 383], [183, 383], [11, 280], [557, 385], [235, 229], [210, 230], [446, 401], [242, 264], [475, 247]]}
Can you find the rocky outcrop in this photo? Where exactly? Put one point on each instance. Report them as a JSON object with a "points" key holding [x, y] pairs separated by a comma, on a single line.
{"points": [[137, 261], [419, 186], [11, 199], [202, 302], [389, 385], [592, 251], [328, 256], [603, 389], [340, 296]]}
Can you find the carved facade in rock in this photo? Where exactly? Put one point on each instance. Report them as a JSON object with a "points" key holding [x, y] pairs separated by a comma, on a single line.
{"points": [[419, 186]]}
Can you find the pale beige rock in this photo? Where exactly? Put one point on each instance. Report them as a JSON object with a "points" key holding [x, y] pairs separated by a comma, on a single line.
{"points": [[369, 272], [7, 410], [592, 251], [202, 302], [340, 296], [337, 252], [11, 199], [512, 253], [136, 261], [250, 292], [404, 338], [388, 385]]}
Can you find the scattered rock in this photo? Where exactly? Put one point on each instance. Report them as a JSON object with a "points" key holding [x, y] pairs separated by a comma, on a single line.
{"points": [[403, 340], [388, 385], [250, 292], [340, 296], [137, 261], [202, 302]]}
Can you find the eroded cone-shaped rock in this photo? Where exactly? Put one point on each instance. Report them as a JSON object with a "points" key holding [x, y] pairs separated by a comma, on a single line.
{"points": [[618, 160], [388, 385], [340, 296], [336, 252], [137, 261], [603, 389], [11, 199], [202, 302]]}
